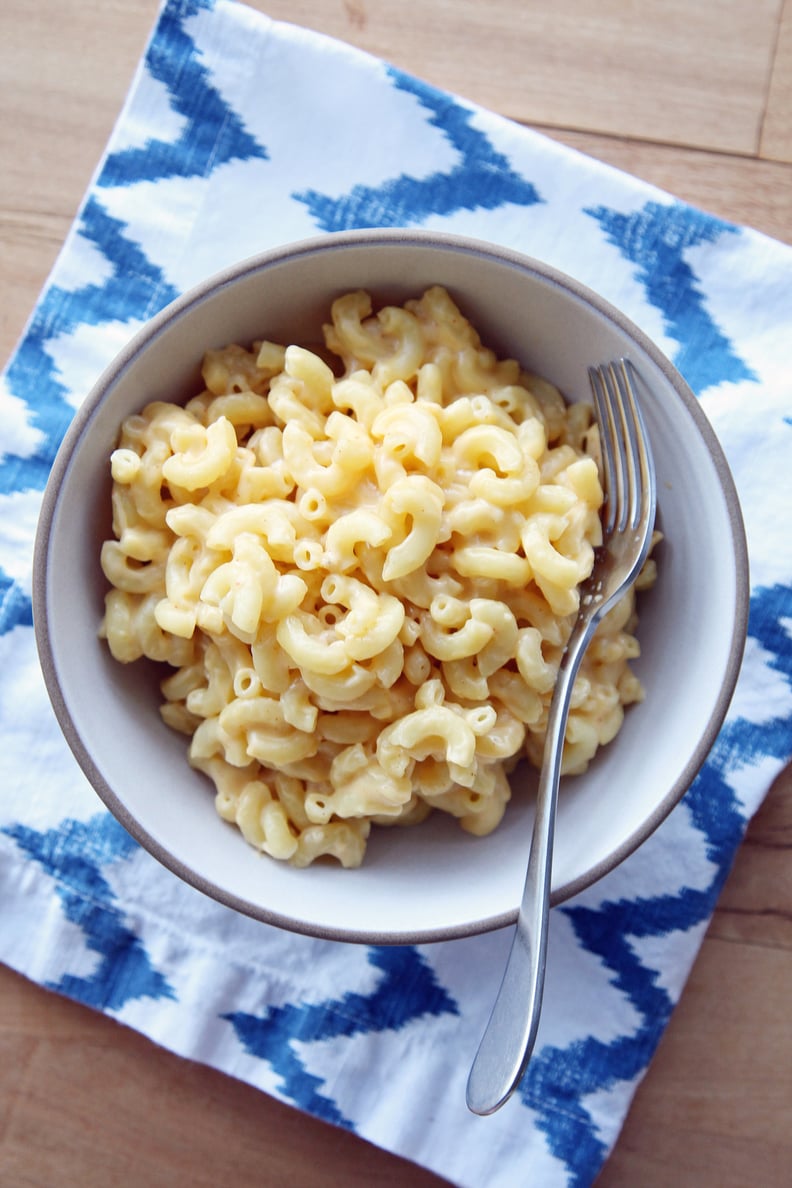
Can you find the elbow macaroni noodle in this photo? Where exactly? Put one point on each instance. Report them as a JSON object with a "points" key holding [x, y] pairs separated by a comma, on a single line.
{"points": [[364, 584]]}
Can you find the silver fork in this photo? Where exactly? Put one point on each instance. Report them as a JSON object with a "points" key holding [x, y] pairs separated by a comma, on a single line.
{"points": [[628, 513]]}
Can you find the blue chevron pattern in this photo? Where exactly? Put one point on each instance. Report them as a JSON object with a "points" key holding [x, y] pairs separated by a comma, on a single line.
{"points": [[407, 991], [136, 288], [213, 133], [660, 242], [75, 854], [655, 239], [483, 179]]}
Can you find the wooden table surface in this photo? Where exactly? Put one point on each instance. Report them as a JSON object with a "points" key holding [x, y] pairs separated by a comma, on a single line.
{"points": [[695, 97]]}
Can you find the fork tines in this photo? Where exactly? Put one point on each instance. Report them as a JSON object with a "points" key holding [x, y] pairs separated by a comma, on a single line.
{"points": [[626, 463]]}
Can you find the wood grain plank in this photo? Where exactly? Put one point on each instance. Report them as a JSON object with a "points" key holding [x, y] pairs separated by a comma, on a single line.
{"points": [[755, 907], [662, 70], [92, 1103], [57, 118], [55, 114], [715, 1107], [776, 137], [29, 245]]}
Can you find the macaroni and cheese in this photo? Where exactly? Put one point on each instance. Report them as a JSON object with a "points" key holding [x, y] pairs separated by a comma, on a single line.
{"points": [[363, 576]]}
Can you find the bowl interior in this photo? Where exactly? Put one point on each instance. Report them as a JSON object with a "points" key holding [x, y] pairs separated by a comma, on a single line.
{"points": [[415, 884]]}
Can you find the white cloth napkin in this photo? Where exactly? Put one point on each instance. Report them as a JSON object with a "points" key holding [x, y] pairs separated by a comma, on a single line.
{"points": [[239, 134]]}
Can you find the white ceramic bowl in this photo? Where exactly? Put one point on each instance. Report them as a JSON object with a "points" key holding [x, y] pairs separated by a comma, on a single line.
{"points": [[433, 881]]}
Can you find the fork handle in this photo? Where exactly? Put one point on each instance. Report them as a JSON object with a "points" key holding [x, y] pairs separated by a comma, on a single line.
{"points": [[510, 1035]]}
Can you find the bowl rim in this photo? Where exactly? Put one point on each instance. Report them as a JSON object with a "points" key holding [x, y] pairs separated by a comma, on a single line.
{"points": [[337, 241]]}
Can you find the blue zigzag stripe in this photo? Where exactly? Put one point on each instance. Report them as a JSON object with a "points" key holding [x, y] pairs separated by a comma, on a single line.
{"points": [[655, 239], [569, 1075], [213, 133], [74, 854], [408, 991], [137, 287], [483, 180], [16, 609]]}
